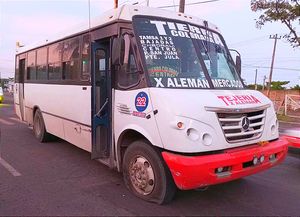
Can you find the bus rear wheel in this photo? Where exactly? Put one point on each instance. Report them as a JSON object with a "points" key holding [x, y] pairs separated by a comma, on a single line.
{"points": [[146, 175], [39, 128]]}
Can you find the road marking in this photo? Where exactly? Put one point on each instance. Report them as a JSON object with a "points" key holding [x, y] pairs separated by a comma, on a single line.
{"points": [[9, 168], [4, 105], [6, 122]]}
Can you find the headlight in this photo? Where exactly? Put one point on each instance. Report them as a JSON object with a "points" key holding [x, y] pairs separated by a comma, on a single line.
{"points": [[193, 134], [207, 139]]}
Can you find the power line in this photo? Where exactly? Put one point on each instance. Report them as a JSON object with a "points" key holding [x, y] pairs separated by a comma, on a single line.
{"points": [[257, 39], [6, 60], [188, 4], [268, 67], [251, 40], [268, 58]]}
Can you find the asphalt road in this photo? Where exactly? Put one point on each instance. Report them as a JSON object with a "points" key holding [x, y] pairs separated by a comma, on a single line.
{"points": [[291, 129], [57, 178]]}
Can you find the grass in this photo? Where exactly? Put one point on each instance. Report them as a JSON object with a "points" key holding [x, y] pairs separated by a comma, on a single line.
{"points": [[282, 117]]}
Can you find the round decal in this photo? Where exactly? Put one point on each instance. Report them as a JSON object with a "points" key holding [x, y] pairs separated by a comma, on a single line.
{"points": [[141, 101]]}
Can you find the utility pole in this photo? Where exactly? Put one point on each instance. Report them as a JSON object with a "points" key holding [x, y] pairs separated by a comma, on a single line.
{"points": [[181, 6], [116, 4], [89, 15], [264, 81], [255, 82], [272, 63]]}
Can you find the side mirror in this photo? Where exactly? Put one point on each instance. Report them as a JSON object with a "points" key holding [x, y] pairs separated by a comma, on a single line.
{"points": [[118, 51], [238, 60], [126, 49], [238, 64]]}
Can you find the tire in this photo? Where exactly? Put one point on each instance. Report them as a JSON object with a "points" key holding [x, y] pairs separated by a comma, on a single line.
{"points": [[146, 174], [39, 127]]}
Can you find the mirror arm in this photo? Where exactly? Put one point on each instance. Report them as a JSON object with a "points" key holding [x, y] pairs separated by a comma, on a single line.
{"points": [[238, 62], [235, 51]]}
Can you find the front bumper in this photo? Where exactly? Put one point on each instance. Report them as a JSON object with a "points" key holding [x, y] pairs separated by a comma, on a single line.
{"points": [[292, 141], [190, 172]]}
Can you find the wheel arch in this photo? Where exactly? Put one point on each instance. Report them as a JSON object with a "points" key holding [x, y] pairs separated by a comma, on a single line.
{"points": [[35, 108], [126, 138], [31, 114]]}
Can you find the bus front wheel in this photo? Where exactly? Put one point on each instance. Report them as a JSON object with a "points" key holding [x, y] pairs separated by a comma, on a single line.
{"points": [[146, 175], [39, 128]]}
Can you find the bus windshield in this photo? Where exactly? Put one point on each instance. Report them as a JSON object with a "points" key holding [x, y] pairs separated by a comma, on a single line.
{"points": [[183, 55]]}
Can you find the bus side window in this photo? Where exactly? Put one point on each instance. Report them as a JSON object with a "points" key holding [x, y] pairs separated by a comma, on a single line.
{"points": [[71, 58], [17, 73], [41, 62], [54, 61], [31, 65], [85, 58], [100, 66], [128, 75]]}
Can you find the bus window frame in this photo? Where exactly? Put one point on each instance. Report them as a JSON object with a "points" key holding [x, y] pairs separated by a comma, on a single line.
{"points": [[45, 64], [133, 49], [17, 72], [109, 30], [59, 44], [27, 66], [81, 44], [199, 55]]}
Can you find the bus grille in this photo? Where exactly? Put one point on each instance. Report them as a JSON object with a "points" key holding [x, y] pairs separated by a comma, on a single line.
{"points": [[235, 128]]}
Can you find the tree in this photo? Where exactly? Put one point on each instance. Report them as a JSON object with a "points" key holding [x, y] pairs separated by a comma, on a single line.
{"points": [[296, 87], [278, 85], [252, 86], [285, 11]]}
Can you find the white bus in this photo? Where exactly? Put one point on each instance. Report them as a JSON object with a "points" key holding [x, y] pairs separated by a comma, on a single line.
{"points": [[153, 94]]}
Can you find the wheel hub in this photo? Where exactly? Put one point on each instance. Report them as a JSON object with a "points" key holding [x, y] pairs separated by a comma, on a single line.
{"points": [[141, 175]]}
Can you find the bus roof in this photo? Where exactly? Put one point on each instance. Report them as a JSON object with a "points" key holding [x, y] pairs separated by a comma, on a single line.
{"points": [[124, 12]]}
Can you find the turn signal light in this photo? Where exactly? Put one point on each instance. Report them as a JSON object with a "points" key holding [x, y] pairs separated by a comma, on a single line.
{"points": [[180, 125], [255, 161], [272, 157], [262, 159]]}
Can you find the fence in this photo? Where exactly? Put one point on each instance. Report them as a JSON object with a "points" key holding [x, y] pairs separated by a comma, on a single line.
{"points": [[292, 105], [286, 101]]}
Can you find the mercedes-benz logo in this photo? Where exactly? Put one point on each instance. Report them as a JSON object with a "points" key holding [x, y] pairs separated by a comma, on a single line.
{"points": [[245, 123]]}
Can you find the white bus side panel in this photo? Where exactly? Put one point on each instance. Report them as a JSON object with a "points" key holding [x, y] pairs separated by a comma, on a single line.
{"points": [[54, 125], [78, 135], [66, 111], [126, 116], [16, 93], [16, 100]]}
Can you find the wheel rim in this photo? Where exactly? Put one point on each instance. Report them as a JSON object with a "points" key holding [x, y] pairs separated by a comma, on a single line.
{"points": [[37, 125], [141, 175]]}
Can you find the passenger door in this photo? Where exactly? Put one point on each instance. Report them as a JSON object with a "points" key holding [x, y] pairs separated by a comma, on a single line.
{"points": [[101, 101], [20, 89]]}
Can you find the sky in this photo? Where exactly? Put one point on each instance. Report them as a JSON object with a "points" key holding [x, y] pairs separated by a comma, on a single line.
{"points": [[36, 20]]}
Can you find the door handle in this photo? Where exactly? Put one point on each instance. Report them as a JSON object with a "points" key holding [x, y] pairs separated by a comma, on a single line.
{"points": [[101, 109]]}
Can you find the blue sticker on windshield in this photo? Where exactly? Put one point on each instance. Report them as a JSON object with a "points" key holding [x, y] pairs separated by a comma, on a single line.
{"points": [[141, 101]]}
